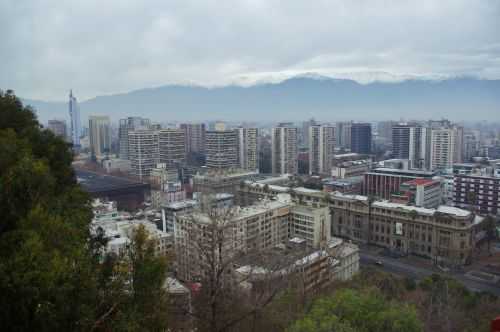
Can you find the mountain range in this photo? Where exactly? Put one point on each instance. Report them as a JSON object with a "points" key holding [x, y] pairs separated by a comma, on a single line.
{"points": [[295, 99]]}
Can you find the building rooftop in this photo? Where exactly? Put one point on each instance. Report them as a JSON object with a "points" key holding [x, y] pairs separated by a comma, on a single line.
{"points": [[302, 190], [402, 172], [261, 207], [181, 204], [95, 183], [284, 177], [420, 182], [346, 155], [347, 196], [279, 260], [408, 208], [424, 211], [453, 211]]}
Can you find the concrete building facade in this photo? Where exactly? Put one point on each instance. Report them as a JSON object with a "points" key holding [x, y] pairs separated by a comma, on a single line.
{"points": [[195, 137], [321, 148], [126, 125], [144, 152], [248, 148], [222, 149], [99, 134], [447, 235], [284, 149]]}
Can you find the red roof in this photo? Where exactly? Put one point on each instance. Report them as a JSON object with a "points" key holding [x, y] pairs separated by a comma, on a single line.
{"points": [[419, 182]]}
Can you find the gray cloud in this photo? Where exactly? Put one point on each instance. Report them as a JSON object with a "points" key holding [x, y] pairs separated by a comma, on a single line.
{"points": [[99, 47]]}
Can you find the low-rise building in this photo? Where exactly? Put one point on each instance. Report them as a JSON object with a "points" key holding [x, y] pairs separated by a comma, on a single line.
{"points": [[422, 192], [310, 224], [352, 185], [383, 182], [446, 234], [237, 230], [481, 193], [351, 168], [116, 165], [295, 264], [221, 181], [119, 234]]}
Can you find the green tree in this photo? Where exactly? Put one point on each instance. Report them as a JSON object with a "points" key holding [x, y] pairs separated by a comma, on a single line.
{"points": [[52, 276], [353, 310]]}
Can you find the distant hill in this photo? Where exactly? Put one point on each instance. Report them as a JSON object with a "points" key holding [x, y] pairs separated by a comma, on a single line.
{"points": [[296, 99]]}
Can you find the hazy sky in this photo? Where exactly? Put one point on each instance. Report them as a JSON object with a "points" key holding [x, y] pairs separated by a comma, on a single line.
{"points": [[100, 47]]}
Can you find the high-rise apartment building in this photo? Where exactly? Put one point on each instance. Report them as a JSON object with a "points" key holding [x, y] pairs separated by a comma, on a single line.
{"points": [[172, 147], [284, 149], [471, 147], [446, 146], [479, 192], [144, 152], [195, 137], [222, 148], [248, 148], [361, 138], [59, 128], [305, 132], [343, 134], [321, 148], [74, 113], [384, 130], [99, 135], [126, 125], [411, 141]]}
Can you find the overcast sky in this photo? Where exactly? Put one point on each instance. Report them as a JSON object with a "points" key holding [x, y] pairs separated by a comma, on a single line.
{"points": [[100, 47]]}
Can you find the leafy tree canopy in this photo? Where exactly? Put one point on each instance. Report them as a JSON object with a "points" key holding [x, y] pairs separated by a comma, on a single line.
{"points": [[351, 310]]}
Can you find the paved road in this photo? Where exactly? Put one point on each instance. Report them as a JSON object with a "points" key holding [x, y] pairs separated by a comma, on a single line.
{"points": [[398, 267]]}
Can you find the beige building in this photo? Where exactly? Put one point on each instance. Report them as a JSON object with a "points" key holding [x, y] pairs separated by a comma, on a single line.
{"points": [[172, 147], [294, 264], [195, 137], [99, 135], [284, 149], [238, 231], [143, 152], [310, 224], [221, 149], [446, 234], [321, 148], [221, 181], [446, 147], [248, 152]]}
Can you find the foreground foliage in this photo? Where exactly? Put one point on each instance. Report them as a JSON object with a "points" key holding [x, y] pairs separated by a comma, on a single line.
{"points": [[52, 276], [364, 311]]}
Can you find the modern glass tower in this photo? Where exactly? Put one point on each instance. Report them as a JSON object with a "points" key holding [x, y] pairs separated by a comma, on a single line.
{"points": [[74, 113]]}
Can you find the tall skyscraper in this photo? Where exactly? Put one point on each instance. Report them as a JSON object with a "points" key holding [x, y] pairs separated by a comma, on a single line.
{"points": [[144, 152], [222, 148], [74, 113], [284, 149], [195, 137], [172, 147], [321, 148], [411, 141], [59, 128], [126, 125], [248, 152], [99, 135], [361, 138]]}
